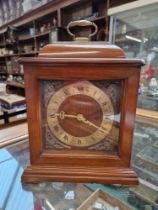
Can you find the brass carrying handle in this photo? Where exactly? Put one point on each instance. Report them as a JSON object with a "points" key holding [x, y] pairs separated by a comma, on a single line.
{"points": [[82, 23]]}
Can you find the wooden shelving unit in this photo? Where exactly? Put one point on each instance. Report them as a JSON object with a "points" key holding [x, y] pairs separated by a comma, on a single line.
{"points": [[42, 26], [34, 28]]}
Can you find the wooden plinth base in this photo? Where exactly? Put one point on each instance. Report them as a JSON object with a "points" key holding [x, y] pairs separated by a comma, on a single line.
{"points": [[125, 176]]}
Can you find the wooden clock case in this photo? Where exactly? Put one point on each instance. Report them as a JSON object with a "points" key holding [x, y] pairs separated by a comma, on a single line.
{"points": [[81, 61]]}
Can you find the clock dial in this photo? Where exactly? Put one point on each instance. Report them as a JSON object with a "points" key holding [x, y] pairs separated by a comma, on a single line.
{"points": [[80, 114]]}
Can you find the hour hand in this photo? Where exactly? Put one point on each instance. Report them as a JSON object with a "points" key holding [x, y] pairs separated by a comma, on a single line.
{"points": [[62, 115]]}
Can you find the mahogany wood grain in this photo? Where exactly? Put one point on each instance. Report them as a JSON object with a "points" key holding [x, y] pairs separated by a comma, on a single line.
{"points": [[108, 175], [81, 166], [81, 50]]}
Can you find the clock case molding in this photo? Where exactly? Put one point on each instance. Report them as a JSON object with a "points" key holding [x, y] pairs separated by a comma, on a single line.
{"points": [[91, 61]]}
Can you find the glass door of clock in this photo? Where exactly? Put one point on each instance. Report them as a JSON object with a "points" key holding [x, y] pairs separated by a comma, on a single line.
{"points": [[84, 115]]}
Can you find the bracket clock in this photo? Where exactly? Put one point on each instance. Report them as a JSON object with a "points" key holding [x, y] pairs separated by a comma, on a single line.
{"points": [[81, 103]]}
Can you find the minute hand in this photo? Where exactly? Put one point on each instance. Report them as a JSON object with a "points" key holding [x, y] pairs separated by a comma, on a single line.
{"points": [[92, 124]]}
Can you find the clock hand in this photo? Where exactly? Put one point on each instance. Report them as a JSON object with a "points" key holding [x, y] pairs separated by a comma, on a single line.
{"points": [[79, 117], [92, 124], [62, 115]]}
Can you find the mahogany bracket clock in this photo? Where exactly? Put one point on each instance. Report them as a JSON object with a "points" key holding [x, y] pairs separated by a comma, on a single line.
{"points": [[81, 103]]}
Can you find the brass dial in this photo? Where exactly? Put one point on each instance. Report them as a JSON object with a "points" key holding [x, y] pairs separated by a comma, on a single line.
{"points": [[80, 114]]}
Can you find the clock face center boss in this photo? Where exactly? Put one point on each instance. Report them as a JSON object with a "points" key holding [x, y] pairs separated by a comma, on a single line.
{"points": [[80, 114]]}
